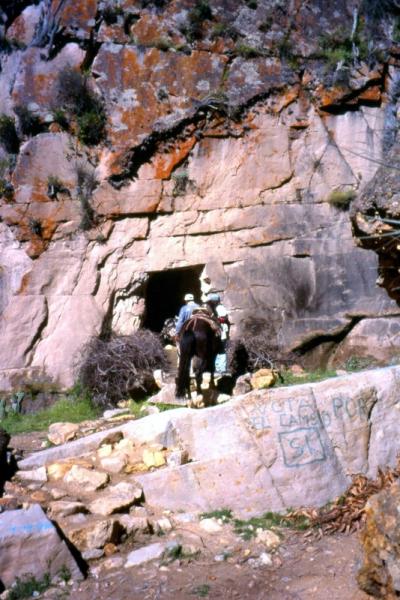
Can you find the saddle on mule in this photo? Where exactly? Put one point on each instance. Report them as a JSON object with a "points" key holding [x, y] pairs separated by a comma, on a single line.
{"points": [[202, 314]]}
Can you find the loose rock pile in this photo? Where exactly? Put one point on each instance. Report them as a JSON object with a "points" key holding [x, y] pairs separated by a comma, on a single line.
{"points": [[110, 492], [98, 506]]}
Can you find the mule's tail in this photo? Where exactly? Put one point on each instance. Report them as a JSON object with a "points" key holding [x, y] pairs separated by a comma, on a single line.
{"points": [[186, 347]]}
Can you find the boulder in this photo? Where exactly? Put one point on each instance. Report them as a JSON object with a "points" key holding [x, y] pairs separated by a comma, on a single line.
{"points": [[90, 533], [114, 463], [167, 396], [133, 524], [59, 433], [57, 471], [177, 457], [24, 26], [115, 412], [117, 498], [161, 526], [379, 574], [210, 525], [243, 385], [86, 480], [270, 539], [61, 508], [263, 378], [31, 545], [153, 458], [38, 474], [267, 450]]}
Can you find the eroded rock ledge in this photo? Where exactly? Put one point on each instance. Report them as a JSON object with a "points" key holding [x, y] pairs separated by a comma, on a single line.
{"points": [[267, 450]]}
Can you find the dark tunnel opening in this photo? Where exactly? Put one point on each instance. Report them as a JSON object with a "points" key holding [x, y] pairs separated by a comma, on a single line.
{"points": [[165, 291]]}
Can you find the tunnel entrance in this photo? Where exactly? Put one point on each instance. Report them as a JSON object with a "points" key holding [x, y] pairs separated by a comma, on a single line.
{"points": [[165, 291]]}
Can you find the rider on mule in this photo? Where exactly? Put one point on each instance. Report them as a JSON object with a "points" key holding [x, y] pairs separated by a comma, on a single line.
{"points": [[185, 312]]}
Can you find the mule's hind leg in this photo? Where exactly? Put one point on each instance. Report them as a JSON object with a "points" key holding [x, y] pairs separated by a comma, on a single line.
{"points": [[198, 373]]}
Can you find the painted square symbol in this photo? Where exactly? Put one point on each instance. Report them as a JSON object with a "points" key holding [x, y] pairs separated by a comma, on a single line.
{"points": [[301, 447]]}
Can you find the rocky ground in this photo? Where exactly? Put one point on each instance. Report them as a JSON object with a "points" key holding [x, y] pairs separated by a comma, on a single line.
{"points": [[207, 558], [303, 569]]}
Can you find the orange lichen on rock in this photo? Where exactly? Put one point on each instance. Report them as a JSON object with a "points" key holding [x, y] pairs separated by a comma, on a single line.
{"points": [[39, 243], [36, 80], [151, 89], [73, 20], [283, 100], [24, 283], [332, 96], [150, 31], [164, 164]]}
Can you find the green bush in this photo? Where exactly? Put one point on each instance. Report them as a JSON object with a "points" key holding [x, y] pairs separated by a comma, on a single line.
{"points": [[86, 184], [60, 117], [27, 586], [29, 123], [55, 186], [335, 49], [181, 184], [91, 127], [341, 198], [8, 134], [196, 17], [163, 43], [246, 51], [358, 363], [224, 30], [6, 189], [343, 47], [76, 97]]}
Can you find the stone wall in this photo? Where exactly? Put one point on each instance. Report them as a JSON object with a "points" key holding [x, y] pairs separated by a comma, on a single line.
{"points": [[210, 159]]}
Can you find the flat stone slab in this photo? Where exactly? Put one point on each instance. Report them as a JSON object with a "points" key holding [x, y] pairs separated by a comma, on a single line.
{"points": [[30, 544], [148, 553]]}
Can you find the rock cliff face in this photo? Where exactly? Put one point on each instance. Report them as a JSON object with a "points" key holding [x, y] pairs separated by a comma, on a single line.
{"points": [[232, 131]]}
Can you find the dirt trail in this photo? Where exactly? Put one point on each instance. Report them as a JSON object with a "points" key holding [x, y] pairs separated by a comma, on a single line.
{"points": [[303, 569]]}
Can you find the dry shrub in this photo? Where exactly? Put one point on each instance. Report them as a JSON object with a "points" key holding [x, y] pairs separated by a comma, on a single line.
{"points": [[121, 367], [257, 348]]}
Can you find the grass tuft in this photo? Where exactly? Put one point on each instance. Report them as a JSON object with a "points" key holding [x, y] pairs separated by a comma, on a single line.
{"points": [[225, 514], [288, 378], [269, 520], [72, 409], [29, 586]]}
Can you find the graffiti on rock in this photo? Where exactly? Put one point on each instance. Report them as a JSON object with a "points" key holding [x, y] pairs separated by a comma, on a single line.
{"points": [[301, 424], [290, 413], [301, 447]]}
